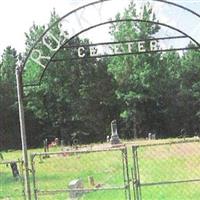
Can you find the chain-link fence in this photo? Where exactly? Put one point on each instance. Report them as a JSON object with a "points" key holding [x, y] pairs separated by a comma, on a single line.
{"points": [[81, 174], [167, 171], [11, 180]]}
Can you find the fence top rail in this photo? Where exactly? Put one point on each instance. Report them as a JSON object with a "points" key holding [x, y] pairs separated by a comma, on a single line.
{"points": [[78, 151], [170, 182], [168, 143], [5, 162], [43, 192]]}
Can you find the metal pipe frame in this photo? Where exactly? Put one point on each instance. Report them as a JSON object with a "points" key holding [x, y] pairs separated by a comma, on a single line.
{"points": [[136, 183], [125, 187], [126, 174], [33, 176], [138, 174], [19, 82]]}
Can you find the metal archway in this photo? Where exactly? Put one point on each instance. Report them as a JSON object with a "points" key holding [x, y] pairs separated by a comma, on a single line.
{"points": [[20, 69], [92, 4], [115, 21]]}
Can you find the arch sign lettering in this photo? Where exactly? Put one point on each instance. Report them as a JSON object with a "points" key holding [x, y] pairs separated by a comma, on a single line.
{"points": [[94, 19], [92, 24]]}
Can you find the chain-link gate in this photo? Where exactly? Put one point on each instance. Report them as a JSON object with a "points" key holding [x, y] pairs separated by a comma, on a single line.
{"points": [[81, 174], [167, 171]]}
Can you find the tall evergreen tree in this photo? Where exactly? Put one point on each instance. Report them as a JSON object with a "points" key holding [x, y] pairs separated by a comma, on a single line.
{"points": [[9, 132], [136, 74], [75, 95]]}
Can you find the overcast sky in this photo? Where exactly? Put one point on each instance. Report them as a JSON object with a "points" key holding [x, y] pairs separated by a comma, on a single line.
{"points": [[17, 16]]}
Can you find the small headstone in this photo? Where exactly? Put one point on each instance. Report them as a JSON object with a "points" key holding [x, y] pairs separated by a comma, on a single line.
{"points": [[46, 148], [62, 143], [149, 136], [73, 185], [108, 138], [153, 137], [56, 141], [183, 133]]}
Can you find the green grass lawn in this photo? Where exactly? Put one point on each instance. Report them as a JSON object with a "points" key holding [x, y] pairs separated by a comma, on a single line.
{"points": [[9, 186], [174, 162], [105, 167]]}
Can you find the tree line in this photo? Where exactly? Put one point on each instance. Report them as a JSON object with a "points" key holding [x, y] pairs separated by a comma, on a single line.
{"points": [[157, 92]]}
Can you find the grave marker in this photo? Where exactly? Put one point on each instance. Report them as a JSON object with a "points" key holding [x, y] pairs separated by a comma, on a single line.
{"points": [[114, 137]]}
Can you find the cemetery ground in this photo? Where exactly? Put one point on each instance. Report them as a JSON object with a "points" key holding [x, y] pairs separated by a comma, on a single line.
{"points": [[156, 163]]}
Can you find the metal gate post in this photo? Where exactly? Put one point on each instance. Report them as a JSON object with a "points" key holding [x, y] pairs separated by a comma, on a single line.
{"points": [[21, 166], [126, 174], [136, 175], [32, 156], [23, 131]]}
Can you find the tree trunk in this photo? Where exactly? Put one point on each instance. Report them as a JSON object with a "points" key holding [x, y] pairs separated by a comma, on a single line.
{"points": [[135, 123]]}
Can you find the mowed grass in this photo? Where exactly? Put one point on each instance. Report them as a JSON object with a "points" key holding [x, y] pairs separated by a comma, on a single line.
{"points": [[105, 167], [163, 163]]}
